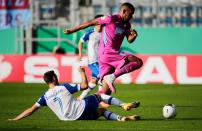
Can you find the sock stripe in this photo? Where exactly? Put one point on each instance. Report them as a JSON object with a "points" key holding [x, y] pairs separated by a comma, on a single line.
{"points": [[90, 88], [108, 117], [110, 100], [91, 85]]}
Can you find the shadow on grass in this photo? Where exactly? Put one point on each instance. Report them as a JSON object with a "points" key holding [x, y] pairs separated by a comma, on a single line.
{"points": [[157, 106], [173, 119]]}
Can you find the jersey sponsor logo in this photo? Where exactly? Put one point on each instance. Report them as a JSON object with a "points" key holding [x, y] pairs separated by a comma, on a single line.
{"points": [[166, 69], [54, 94], [119, 31]]}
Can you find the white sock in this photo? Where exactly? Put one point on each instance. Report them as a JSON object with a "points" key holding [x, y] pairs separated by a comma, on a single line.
{"points": [[110, 115], [111, 100], [85, 92], [91, 85]]}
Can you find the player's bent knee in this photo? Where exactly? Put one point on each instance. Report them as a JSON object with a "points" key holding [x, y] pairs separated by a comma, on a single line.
{"points": [[108, 92], [101, 111], [140, 63]]}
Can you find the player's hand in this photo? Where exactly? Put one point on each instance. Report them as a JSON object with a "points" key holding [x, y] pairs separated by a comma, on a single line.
{"points": [[133, 32], [67, 31], [12, 120], [132, 36]]}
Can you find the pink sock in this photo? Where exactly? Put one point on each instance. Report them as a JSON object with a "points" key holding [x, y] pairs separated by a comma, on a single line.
{"points": [[126, 69]]}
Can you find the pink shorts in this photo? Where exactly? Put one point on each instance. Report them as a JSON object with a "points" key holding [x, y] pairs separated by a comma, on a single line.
{"points": [[109, 62]]}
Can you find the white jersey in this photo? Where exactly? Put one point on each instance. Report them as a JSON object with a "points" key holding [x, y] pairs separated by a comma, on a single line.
{"points": [[61, 101], [93, 38]]}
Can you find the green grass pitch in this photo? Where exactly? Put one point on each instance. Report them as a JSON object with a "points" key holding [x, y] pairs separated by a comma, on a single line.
{"points": [[14, 98]]}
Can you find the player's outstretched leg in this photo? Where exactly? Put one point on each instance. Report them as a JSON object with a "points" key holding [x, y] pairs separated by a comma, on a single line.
{"points": [[129, 106], [114, 101], [129, 118], [112, 116]]}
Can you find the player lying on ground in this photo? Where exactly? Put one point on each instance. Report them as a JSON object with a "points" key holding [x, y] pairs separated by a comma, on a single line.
{"points": [[60, 100]]}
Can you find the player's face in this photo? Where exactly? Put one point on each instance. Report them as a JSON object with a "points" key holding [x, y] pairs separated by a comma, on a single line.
{"points": [[127, 14]]}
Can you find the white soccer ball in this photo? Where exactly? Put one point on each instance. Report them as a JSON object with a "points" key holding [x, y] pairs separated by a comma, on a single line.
{"points": [[169, 111]]}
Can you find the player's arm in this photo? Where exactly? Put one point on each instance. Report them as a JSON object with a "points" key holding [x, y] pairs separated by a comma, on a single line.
{"points": [[27, 112], [81, 26], [84, 80], [83, 39], [80, 48], [73, 88], [131, 36]]}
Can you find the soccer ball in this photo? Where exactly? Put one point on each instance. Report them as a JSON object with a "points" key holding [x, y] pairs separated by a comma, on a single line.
{"points": [[169, 111]]}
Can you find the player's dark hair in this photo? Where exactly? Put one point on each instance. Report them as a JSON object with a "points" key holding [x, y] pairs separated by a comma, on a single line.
{"points": [[50, 77], [128, 5], [97, 16]]}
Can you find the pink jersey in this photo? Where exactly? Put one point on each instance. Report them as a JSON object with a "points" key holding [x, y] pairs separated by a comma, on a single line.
{"points": [[114, 29]]}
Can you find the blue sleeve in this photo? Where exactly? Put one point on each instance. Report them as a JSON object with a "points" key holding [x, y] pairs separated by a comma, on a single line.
{"points": [[86, 36], [72, 88], [41, 101]]}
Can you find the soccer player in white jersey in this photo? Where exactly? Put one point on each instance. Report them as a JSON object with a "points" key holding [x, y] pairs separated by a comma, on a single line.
{"points": [[93, 38], [60, 100]]}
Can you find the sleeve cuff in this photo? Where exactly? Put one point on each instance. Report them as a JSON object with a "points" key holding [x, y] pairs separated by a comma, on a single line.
{"points": [[37, 104]]}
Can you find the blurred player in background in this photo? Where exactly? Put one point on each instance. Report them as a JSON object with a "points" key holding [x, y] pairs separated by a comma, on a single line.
{"points": [[93, 38], [60, 100], [114, 63]]}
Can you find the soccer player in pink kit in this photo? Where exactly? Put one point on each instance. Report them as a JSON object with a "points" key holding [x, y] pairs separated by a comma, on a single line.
{"points": [[114, 63]]}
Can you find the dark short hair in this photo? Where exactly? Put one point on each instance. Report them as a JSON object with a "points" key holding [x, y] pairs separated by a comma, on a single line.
{"points": [[49, 76], [128, 5], [97, 16]]}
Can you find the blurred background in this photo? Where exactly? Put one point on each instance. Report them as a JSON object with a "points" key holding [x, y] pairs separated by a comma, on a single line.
{"points": [[167, 28]]}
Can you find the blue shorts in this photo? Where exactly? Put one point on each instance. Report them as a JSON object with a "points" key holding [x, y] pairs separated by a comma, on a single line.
{"points": [[94, 67], [91, 109]]}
